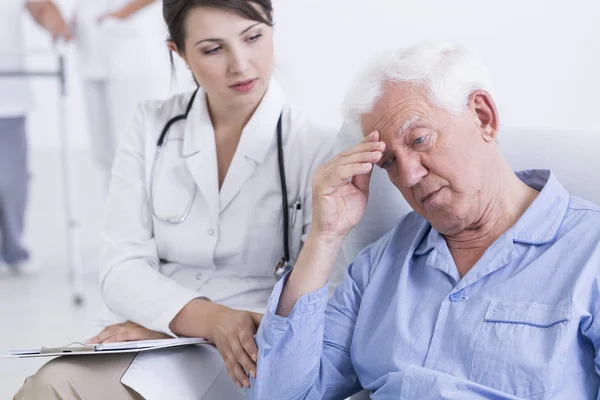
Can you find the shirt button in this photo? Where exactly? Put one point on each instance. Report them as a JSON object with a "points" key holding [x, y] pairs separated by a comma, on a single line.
{"points": [[457, 296], [211, 232], [199, 276]]}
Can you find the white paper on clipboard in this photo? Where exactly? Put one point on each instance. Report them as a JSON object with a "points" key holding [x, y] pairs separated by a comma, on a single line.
{"points": [[75, 349]]}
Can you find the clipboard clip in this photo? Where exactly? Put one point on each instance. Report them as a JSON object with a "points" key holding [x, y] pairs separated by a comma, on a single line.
{"points": [[73, 347]]}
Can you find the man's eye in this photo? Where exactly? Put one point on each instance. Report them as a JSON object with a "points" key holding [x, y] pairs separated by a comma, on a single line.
{"points": [[419, 140], [387, 163]]}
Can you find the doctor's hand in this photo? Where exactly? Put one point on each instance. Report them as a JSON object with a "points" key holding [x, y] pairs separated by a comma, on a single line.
{"points": [[341, 187], [125, 332], [233, 332]]}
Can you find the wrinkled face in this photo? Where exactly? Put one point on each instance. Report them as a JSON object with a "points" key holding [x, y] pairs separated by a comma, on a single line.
{"points": [[439, 161], [231, 57]]}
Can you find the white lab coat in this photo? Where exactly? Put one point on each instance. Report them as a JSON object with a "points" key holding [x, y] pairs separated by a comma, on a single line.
{"points": [[226, 249], [15, 93]]}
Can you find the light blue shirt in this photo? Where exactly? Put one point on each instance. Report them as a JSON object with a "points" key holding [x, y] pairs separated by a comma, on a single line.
{"points": [[524, 322]]}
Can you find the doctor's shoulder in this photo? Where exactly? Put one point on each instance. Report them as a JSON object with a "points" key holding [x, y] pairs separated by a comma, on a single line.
{"points": [[310, 140]]}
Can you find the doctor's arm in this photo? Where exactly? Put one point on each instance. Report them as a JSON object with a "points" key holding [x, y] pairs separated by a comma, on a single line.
{"points": [[47, 15], [131, 283]]}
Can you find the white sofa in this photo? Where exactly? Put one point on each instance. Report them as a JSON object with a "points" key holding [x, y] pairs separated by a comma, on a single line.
{"points": [[574, 156]]}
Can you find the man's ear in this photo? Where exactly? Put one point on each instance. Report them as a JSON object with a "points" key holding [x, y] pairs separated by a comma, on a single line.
{"points": [[486, 114]]}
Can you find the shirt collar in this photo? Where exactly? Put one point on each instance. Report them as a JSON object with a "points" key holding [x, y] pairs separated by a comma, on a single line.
{"points": [[257, 135], [541, 221]]}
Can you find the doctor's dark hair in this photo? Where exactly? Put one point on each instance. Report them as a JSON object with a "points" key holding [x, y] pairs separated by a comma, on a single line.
{"points": [[175, 13]]}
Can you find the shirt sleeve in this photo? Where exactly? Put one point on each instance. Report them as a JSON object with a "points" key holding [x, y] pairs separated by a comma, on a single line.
{"points": [[307, 354]]}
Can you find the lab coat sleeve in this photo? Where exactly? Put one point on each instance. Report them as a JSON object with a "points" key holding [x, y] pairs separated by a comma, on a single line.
{"points": [[130, 281], [307, 355]]}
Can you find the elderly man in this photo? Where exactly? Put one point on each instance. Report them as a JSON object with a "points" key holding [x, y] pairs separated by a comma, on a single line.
{"points": [[488, 290]]}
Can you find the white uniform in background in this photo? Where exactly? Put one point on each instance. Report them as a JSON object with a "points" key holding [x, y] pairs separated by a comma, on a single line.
{"points": [[226, 249], [122, 63]]}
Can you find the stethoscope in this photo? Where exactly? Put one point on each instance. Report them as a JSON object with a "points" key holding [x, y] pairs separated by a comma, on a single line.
{"points": [[284, 265]]}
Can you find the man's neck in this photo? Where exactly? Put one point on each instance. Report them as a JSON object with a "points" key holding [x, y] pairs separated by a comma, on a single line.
{"points": [[511, 197]]}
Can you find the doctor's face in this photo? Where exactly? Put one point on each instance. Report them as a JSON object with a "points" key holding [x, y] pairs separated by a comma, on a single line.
{"points": [[230, 56]]}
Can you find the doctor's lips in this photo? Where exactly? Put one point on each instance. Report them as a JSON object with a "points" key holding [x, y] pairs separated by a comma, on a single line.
{"points": [[244, 86]]}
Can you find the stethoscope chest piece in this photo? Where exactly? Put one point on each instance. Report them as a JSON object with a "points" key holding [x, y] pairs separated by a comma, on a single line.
{"points": [[282, 268]]}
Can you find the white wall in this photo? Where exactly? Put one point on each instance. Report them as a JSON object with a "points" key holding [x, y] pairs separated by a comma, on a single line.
{"points": [[544, 55]]}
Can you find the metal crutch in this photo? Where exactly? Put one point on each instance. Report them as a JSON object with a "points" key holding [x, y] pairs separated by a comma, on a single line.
{"points": [[72, 225]]}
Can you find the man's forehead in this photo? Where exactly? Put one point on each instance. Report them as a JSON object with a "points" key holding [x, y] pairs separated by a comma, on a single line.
{"points": [[400, 105]]}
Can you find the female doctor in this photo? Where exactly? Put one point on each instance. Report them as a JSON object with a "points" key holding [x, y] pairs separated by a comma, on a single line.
{"points": [[197, 211]]}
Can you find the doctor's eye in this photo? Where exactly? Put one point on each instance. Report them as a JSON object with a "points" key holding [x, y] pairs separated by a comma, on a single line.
{"points": [[254, 38], [212, 51]]}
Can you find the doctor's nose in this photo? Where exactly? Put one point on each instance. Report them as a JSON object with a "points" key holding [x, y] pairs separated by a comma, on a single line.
{"points": [[238, 63]]}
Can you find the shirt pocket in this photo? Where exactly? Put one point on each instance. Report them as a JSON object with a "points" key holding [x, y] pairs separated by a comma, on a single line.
{"points": [[522, 346]]}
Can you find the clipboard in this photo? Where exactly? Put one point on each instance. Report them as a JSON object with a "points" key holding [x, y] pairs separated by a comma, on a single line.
{"points": [[77, 348]]}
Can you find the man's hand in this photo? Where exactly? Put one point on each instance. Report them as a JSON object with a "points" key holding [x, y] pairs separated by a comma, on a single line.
{"points": [[341, 188], [233, 333], [125, 332], [48, 16], [340, 193]]}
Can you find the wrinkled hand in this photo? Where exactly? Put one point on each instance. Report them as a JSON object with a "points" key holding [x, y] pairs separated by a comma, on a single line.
{"points": [[341, 188], [125, 332], [233, 333]]}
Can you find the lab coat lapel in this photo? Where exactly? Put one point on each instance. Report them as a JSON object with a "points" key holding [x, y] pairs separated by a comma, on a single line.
{"points": [[199, 150], [258, 136]]}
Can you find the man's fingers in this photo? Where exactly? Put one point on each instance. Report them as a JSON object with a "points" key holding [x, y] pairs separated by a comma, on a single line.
{"points": [[361, 148], [339, 176], [361, 182], [362, 157]]}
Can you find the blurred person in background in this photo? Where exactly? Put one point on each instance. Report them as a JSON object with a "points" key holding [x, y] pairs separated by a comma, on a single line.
{"points": [[15, 103], [123, 60]]}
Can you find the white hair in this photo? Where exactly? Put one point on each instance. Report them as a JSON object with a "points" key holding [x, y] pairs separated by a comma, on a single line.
{"points": [[448, 72]]}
